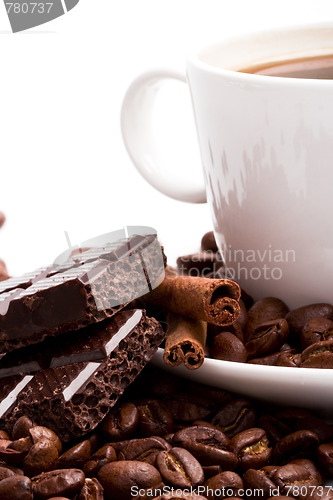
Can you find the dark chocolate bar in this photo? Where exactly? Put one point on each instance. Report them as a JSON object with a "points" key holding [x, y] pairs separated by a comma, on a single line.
{"points": [[73, 399], [89, 291], [91, 343]]}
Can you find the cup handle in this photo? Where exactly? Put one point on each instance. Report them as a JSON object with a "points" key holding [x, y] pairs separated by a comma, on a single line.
{"points": [[139, 137]]}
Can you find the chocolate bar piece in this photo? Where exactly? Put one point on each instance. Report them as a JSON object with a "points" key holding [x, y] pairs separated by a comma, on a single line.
{"points": [[73, 399], [92, 343], [89, 291]]}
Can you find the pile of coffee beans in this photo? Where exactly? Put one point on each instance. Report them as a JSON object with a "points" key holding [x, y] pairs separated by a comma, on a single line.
{"points": [[266, 332], [171, 438]]}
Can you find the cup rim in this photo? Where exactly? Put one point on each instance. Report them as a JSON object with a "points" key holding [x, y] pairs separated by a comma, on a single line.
{"points": [[196, 61]]}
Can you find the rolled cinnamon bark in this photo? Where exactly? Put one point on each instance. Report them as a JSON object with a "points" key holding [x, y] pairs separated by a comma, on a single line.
{"points": [[211, 300], [185, 342]]}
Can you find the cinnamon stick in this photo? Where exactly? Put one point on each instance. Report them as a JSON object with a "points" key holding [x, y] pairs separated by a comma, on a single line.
{"points": [[185, 342], [214, 301]]}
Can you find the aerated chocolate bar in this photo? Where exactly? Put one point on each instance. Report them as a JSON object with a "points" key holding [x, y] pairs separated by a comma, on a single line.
{"points": [[86, 289], [74, 398]]}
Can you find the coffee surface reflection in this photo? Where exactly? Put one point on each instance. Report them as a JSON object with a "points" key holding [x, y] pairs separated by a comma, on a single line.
{"points": [[319, 67]]}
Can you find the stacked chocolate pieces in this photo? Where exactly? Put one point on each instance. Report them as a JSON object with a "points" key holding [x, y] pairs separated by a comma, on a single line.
{"points": [[71, 349]]}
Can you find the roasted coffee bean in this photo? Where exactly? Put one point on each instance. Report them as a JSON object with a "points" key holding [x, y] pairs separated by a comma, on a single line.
{"points": [[155, 419], [186, 408], [267, 309], [269, 360], [94, 440], [5, 472], [286, 358], [251, 448], [58, 482], [269, 470], [208, 445], [311, 467], [236, 328], [214, 330], [144, 450], [325, 457], [22, 444], [16, 488], [235, 416], [101, 457], [322, 429], [257, 480], [297, 318], [59, 498], [298, 444], [12, 457], [318, 355], [92, 490], [274, 428], [199, 264], [42, 457], [179, 468], [228, 347], [4, 435], [223, 485], [119, 445], [203, 423], [22, 427], [119, 478], [75, 457], [39, 432], [208, 242], [294, 480], [169, 437], [120, 423], [267, 337], [315, 330], [211, 470]]}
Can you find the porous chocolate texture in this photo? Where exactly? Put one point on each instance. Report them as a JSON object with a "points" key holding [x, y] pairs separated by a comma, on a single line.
{"points": [[73, 399], [89, 291]]}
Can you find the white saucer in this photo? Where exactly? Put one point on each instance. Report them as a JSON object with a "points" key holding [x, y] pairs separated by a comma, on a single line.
{"points": [[303, 387]]}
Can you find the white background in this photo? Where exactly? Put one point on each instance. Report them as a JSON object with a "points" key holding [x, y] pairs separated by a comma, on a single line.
{"points": [[63, 163]]}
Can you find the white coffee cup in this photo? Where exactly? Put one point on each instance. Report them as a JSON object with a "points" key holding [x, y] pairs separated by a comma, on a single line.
{"points": [[267, 153]]}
